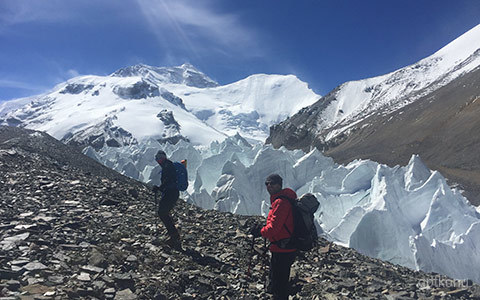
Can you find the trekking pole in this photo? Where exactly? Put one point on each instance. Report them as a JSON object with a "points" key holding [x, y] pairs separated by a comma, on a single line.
{"points": [[252, 252], [264, 265], [156, 210]]}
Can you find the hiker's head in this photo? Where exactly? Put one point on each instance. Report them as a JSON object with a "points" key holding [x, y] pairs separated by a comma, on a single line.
{"points": [[161, 156], [273, 184]]}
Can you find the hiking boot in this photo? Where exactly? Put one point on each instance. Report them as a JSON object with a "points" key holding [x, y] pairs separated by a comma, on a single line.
{"points": [[174, 243]]}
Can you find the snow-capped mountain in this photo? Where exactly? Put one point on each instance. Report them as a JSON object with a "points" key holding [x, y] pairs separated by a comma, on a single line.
{"points": [[430, 108], [167, 104], [334, 116]]}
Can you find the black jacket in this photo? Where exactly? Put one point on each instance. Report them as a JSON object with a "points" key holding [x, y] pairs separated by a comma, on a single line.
{"points": [[169, 176]]}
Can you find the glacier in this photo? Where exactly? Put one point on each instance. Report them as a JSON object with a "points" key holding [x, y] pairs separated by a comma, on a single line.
{"points": [[407, 215]]}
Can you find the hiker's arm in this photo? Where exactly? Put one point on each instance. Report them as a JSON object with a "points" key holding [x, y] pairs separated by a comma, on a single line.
{"points": [[277, 217]]}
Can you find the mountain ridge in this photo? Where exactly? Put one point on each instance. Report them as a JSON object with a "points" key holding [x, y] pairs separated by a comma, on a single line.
{"points": [[353, 101], [184, 74]]}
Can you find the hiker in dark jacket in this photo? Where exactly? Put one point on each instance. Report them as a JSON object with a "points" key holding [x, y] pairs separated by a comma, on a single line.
{"points": [[169, 196], [279, 226]]}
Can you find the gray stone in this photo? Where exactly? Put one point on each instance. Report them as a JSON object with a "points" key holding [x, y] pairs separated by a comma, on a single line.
{"points": [[35, 266], [84, 277], [56, 279], [13, 285], [91, 269], [125, 294], [132, 258]]}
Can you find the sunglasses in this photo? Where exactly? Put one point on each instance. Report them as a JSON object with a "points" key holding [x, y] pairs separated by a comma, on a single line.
{"points": [[267, 183]]}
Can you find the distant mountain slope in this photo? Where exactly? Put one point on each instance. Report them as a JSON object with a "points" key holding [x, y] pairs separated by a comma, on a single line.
{"points": [[427, 109], [334, 116], [168, 104], [442, 127]]}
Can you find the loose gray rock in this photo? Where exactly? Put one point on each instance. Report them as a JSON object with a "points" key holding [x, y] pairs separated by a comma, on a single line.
{"points": [[58, 242]]}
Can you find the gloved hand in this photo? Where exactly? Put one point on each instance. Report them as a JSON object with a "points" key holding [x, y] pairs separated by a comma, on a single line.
{"points": [[255, 230]]}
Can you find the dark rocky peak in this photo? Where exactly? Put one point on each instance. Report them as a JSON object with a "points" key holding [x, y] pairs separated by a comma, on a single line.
{"points": [[135, 70], [170, 97], [139, 90], [166, 116], [171, 132], [72, 229], [184, 74], [304, 129], [76, 88], [100, 135]]}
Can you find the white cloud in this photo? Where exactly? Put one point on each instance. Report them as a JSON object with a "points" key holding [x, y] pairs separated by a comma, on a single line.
{"points": [[6, 83], [72, 73], [198, 27], [19, 11]]}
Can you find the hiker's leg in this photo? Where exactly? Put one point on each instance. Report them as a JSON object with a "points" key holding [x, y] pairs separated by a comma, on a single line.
{"points": [[280, 274], [164, 211], [168, 222], [167, 203]]}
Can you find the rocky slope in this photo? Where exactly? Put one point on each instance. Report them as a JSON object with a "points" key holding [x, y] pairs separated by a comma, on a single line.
{"points": [[441, 127], [334, 115], [427, 108], [70, 228]]}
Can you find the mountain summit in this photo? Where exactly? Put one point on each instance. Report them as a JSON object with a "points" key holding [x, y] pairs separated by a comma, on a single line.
{"points": [[184, 74]]}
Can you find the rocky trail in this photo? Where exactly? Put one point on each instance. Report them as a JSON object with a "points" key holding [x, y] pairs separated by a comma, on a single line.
{"points": [[72, 229]]}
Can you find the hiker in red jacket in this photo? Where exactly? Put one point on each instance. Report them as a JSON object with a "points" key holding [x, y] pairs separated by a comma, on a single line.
{"points": [[278, 227]]}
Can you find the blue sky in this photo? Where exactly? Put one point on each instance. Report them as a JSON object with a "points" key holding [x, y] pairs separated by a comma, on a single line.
{"points": [[324, 43]]}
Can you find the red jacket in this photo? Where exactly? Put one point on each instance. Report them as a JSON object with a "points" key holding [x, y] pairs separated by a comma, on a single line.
{"points": [[280, 214]]}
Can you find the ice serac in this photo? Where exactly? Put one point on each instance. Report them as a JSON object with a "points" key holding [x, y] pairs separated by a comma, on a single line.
{"points": [[407, 215]]}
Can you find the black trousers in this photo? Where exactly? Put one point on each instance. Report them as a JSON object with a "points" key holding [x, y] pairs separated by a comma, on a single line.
{"points": [[166, 204], [280, 265]]}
